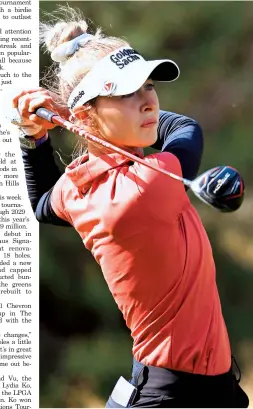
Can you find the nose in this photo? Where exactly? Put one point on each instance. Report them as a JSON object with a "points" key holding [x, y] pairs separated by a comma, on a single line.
{"points": [[148, 101]]}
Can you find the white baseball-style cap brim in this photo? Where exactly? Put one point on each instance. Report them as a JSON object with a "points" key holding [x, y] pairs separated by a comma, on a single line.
{"points": [[121, 72]]}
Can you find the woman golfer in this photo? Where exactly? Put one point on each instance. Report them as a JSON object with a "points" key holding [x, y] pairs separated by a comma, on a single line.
{"points": [[139, 224]]}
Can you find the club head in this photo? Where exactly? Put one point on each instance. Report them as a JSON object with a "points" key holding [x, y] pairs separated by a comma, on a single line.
{"points": [[221, 187]]}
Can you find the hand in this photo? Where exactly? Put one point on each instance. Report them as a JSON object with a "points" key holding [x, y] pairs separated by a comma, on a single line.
{"points": [[27, 101]]}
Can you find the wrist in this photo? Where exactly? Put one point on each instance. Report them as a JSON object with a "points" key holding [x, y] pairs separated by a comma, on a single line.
{"points": [[29, 142], [38, 135]]}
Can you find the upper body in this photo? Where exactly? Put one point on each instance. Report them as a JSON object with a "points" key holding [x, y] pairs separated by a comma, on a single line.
{"points": [[138, 223], [155, 256]]}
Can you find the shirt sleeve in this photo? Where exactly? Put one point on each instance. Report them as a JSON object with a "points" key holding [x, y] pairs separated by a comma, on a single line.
{"points": [[42, 173], [45, 213], [60, 190], [183, 137]]}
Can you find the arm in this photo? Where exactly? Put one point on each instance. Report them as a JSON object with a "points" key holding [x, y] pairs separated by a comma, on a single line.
{"points": [[41, 171], [183, 137], [40, 180]]}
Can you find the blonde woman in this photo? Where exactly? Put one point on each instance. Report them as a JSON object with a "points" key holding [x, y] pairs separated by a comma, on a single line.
{"points": [[139, 225]]}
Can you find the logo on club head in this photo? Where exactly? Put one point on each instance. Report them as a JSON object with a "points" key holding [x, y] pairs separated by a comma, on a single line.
{"points": [[221, 182], [108, 89]]}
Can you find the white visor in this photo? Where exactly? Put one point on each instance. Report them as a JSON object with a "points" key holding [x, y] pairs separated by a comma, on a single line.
{"points": [[121, 72]]}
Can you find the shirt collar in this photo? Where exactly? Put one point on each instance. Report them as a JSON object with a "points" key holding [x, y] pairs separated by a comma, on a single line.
{"points": [[83, 171]]}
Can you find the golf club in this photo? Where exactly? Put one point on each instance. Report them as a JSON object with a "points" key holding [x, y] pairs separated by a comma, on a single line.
{"points": [[221, 187]]}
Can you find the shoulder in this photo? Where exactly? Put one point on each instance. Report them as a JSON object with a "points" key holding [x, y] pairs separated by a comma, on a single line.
{"points": [[176, 118], [164, 195], [63, 191], [171, 123], [160, 161]]}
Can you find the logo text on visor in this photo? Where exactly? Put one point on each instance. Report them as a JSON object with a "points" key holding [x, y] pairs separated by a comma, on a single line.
{"points": [[77, 98], [124, 57]]}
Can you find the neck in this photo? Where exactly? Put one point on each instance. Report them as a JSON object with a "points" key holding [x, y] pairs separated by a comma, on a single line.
{"points": [[96, 150]]}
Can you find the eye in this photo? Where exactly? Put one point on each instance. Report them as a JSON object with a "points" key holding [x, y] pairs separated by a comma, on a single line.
{"points": [[128, 95], [149, 86]]}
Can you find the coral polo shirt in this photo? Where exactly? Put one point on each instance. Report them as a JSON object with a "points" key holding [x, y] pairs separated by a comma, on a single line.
{"points": [[155, 256]]}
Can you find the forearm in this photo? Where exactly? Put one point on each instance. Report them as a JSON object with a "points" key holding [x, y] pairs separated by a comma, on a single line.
{"points": [[183, 137], [41, 171]]}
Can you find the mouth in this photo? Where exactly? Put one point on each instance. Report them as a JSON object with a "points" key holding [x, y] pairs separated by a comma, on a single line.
{"points": [[149, 123]]}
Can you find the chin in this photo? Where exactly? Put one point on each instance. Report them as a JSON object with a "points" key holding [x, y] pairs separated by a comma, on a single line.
{"points": [[143, 140], [149, 141]]}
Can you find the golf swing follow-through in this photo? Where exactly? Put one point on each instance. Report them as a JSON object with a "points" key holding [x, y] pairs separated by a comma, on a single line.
{"points": [[221, 187], [132, 211]]}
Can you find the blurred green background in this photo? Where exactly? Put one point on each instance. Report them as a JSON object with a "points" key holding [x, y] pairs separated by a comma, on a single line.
{"points": [[84, 345]]}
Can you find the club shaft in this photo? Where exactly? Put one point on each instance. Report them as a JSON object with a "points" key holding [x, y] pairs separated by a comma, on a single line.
{"points": [[57, 120]]}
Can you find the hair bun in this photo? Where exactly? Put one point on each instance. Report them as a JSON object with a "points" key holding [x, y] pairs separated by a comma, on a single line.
{"points": [[54, 35], [63, 51]]}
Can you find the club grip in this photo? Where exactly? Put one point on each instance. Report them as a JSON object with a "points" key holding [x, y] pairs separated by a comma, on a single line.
{"points": [[45, 114]]}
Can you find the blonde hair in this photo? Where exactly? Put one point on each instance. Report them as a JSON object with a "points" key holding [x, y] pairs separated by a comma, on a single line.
{"points": [[65, 25]]}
